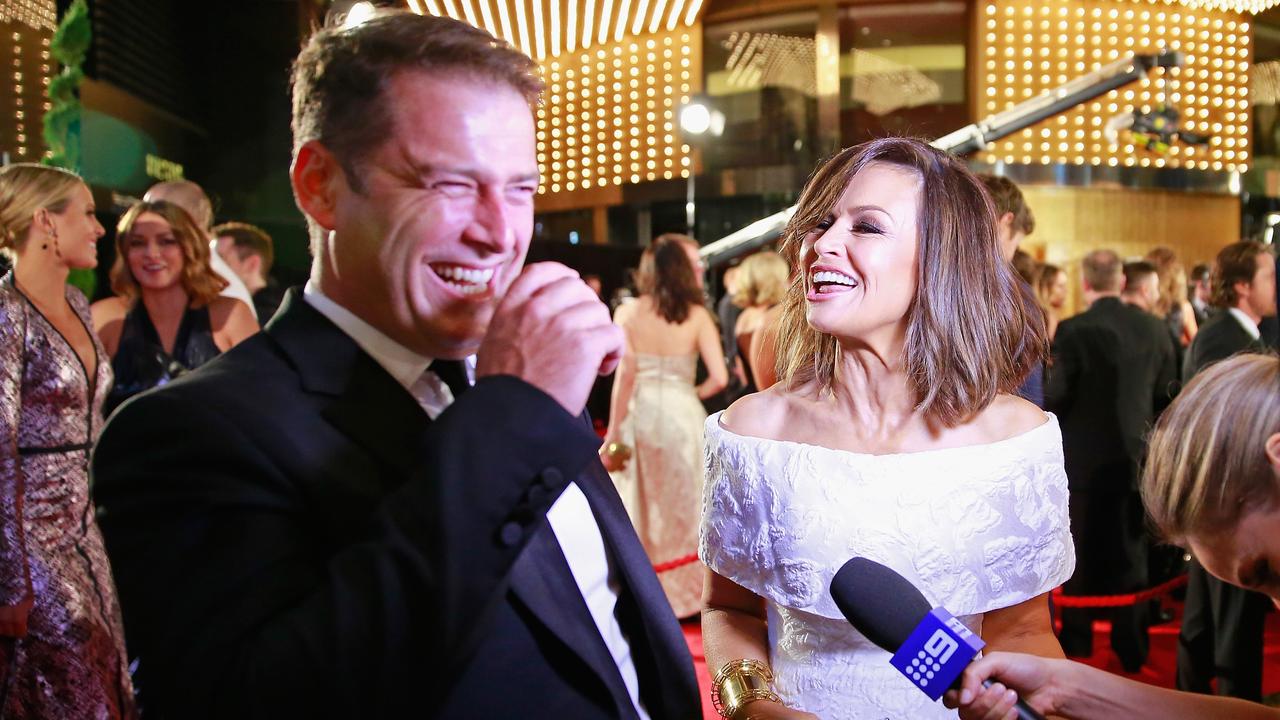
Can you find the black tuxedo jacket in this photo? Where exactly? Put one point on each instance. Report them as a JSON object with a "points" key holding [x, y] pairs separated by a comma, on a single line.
{"points": [[1114, 370], [1219, 339], [292, 537]]}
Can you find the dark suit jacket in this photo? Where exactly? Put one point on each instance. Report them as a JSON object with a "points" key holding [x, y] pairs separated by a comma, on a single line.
{"points": [[292, 537], [1113, 371], [1219, 339]]}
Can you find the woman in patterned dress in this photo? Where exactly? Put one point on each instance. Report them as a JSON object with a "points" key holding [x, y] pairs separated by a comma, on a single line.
{"points": [[61, 642]]}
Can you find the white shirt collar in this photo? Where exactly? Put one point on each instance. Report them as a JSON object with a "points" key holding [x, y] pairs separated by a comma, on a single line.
{"points": [[403, 364], [1246, 322]]}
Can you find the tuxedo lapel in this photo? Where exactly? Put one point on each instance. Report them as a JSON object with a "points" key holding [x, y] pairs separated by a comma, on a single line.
{"points": [[368, 405], [544, 584], [658, 647]]}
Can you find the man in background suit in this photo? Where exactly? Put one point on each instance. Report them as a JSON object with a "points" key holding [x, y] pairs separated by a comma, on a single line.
{"points": [[1113, 371], [372, 535], [1222, 625]]}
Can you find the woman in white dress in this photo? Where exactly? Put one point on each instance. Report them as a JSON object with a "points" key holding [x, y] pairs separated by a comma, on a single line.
{"points": [[890, 435], [657, 410]]}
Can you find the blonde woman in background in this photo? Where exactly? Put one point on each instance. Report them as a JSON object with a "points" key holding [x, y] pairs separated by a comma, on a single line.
{"points": [[1051, 293], [657, 412], [1174, 305], [167, 316], [762, 284], [62, 649]]}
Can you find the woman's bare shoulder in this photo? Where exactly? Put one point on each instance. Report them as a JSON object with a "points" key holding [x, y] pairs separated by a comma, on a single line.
{"points": [[1007, 416], [766, 414]]}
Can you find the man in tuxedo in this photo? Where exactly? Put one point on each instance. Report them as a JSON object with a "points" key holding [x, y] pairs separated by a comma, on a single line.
{"points": [[1222, 625], [1200, 293], [1113, 372], [372, 535]]}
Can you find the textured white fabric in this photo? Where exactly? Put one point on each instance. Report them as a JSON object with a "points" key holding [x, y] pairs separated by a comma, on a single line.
{"points": [[975, 528]]}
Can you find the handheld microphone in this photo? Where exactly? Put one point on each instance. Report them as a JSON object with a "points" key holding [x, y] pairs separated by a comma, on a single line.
{"points": [[929, 645]]}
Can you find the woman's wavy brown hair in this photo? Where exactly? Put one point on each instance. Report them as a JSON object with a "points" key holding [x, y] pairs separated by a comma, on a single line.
{"points": [[199, 280], [666, 276], [974, 329]]}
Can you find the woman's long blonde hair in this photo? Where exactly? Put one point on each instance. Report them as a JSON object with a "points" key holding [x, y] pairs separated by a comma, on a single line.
{"points": [[974, 328], [1206, 462], [198, 279], [762, 280]]}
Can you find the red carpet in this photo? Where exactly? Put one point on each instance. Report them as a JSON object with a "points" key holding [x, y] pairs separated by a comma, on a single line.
{"points": [[1159, 669]]}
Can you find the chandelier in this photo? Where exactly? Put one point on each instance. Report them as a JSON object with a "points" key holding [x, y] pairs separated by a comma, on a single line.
{"points": [[1236, 6]]}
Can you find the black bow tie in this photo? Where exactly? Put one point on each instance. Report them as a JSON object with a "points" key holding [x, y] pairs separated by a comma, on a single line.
{"points": [[453, 373]]}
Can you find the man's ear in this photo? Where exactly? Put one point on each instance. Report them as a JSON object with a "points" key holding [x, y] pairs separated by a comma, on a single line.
{"points": [[252, 265], [315, 176]]}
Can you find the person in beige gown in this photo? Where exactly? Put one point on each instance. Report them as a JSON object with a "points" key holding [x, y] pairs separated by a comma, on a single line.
{"points": [[657, 411]]}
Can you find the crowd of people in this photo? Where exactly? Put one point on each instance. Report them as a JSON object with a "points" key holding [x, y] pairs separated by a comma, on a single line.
{"points": [[380, 495]]}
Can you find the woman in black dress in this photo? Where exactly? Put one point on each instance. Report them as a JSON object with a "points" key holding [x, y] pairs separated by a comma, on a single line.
{"points": [[167, 316]]}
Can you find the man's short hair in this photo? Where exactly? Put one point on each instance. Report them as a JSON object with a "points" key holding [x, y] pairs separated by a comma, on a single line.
{"points": [[1103, 271], [249, 240], [187, 195], [1200, 273], [1234, 263], [1007, 198], [339, 78], [1137, 272]]}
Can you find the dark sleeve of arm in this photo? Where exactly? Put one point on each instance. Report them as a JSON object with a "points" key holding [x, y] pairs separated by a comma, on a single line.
{"points": [[234, 611], [15, 584], [1058, 392], [1167, 381]]}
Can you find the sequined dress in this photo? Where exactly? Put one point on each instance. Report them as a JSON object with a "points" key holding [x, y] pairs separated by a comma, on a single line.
{"points": [[57, 597]]}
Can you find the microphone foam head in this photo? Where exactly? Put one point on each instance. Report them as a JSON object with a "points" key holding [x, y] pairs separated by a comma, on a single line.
{"points": [[878, 602]]}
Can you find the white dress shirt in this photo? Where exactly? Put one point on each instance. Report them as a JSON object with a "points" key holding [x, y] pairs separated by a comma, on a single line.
{"points": [[1246, 322], [570, 516], [235, 286]]}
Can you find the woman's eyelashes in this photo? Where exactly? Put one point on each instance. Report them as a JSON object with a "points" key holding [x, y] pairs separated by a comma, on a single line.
{"points": [[866, 227]]}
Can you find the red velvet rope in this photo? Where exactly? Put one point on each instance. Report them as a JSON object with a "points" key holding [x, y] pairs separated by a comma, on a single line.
{"points": [[678, 562], [1099, 601]]}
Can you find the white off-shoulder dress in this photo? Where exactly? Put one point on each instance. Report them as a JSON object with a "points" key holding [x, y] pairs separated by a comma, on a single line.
{"points": [[975, 528]]}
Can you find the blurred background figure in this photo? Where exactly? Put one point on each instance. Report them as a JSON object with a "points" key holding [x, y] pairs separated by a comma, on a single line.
{"points": [[167, 316], [657, 411], [727, 311], [595, 283], [762, 283], [1199, 292], [1113, 372], [1142, 287], [1014, 219], [191, 197], [1051, 292], [1173, 304], [61, 640], [1026, 266], [1222, 625], [248, 250]]}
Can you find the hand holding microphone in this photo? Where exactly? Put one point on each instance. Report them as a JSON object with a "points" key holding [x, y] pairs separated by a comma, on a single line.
{"points": [[1029, 677], [930, 646]]}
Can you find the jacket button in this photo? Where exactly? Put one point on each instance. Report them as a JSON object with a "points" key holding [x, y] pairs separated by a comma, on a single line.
{"points": [[511, 533], [552, 476], [537, 494]]}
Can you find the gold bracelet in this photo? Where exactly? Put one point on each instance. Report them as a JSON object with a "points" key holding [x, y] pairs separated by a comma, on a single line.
{"points": [[738, 683]]}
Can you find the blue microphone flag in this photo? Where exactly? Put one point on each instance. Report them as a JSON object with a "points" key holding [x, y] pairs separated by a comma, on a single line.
{"points": [[937, 652]]}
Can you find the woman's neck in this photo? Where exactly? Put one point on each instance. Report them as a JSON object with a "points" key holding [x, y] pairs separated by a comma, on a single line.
{"points": [[42, 276], [871, 386], [166, 301]]}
